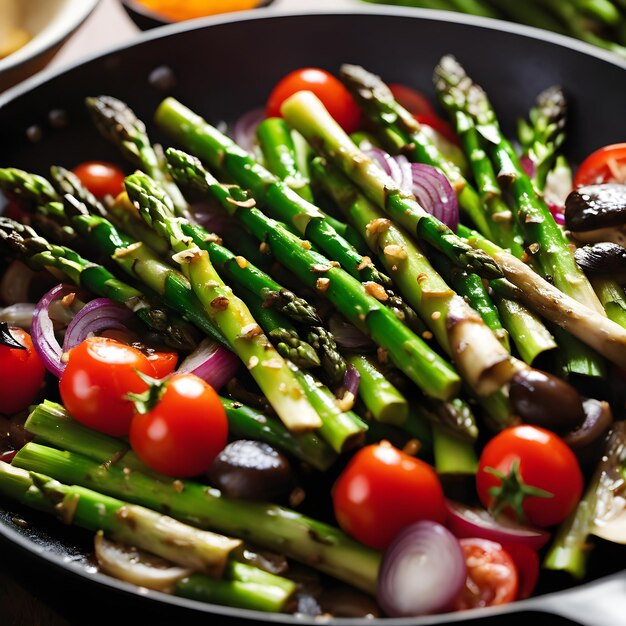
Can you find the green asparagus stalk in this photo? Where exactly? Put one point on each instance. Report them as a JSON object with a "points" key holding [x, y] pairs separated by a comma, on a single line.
{"points": [[325, 345], [529, 13], [529, 334], [569, 549], [613, 299], [130, 524], [282, 333], [228, 313], [242, 272], [342, 430], [410, 354], [267, 525], [482, 361], [279, 154], [382, 399], [23, 242], [305, 112], [543, 134], [549, 245], [471, 287], [453, 455], [402, 133], [51, 423], [300, 216], [133, 257], [119, 124], [526, 286]]}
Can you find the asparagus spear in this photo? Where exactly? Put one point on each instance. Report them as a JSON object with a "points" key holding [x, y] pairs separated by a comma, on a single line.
{"points": [[282, 333], [427, 369], [136, 259], [569, 549], [300, 216], [484, 364], [551, 248], [402, 133], [279, 154], [23, 242], [228, 313], [381, 398], [526, 286], [52, 423], [267, 525], [307, 114], [543, 134], [118, 123], [613, 298], [127, 523]]}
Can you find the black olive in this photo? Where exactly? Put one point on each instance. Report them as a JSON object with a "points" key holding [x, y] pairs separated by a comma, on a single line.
{"points": [[544, 400], [603, 258], [587, 441], [251, 470], [596, 206]]}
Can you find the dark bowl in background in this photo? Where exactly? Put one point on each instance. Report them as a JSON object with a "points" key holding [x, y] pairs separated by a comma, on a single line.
{"points": [[221, 81], [146, 18]]}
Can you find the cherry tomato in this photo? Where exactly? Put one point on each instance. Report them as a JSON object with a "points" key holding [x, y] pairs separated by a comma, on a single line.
{"points": [[531, 474], [100, 373], [21, 373], [8, 456], [184, 431], [164, 363], [439, 125], [382, 490], [491, 575], [527, 564], [102, 179], [335, 97], [413, 101], [606, 165]]}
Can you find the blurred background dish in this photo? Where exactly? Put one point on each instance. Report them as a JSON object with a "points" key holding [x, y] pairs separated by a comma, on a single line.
{"points": [[152, 13], [32, 31], [598, 22]]}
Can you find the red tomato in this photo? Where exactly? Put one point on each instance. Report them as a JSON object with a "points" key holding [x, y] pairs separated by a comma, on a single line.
{"points": [[527, 563], [102, 179], [164, 363], [335, 97], [491, 575], [542, 479], [439, 125], [8, 456], [606, 165], [413, 101], [21, 373], [184, 431], [382, 490], [99, 374]]}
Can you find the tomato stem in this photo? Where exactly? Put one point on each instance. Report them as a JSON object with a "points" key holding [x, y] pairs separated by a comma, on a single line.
{"points": [[512, 492]]}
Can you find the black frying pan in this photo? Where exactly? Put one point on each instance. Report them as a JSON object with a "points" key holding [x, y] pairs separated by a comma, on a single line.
{"points": [[226, 66]]}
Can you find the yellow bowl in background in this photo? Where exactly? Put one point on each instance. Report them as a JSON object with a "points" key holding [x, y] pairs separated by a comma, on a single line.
{"points": [[151, 13]]}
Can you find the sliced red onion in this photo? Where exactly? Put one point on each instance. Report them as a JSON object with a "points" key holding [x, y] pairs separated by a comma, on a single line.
{"points": [[528, 165], [557, 213], [244, 129], [422, 572], [98, 315], [428, 184], [348, 336], [20, 314], [466, 521], [434, 192], [351, 380], [211, 362], [42, 331]]}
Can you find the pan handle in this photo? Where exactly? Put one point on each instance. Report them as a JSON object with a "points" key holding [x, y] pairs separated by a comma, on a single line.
{"points": [[598, 604]]}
